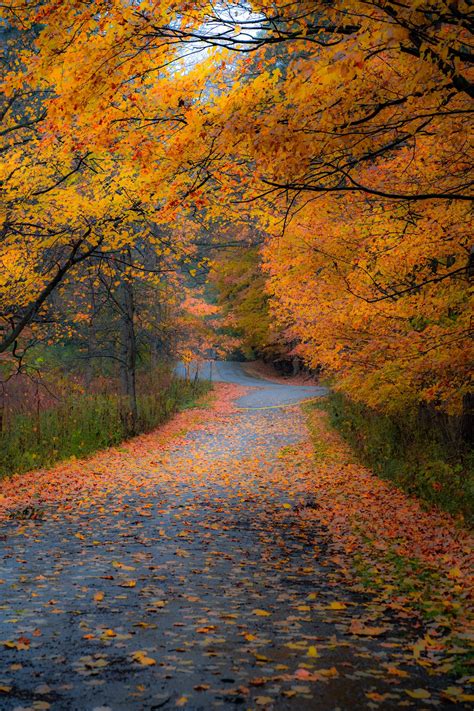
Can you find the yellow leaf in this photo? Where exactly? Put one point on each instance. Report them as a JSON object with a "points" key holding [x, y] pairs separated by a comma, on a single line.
{"points": [[128, 584], [158, 603], [336, 606], [99, 596], [122, 566], [182, 701], [418, 648], [261, 613], [312, 652], [143, 659], [418, 694], [108, 633], [454, 573]]}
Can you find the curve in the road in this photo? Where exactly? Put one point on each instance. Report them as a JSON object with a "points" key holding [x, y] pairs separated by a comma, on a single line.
{"points": [[265, 393]]}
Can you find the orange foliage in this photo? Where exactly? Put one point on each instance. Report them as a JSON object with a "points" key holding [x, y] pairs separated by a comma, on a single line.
{"points": [[347, 146]]}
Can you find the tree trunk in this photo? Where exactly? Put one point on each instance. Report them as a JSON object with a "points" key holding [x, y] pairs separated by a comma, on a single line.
{"points": [[467, 418], [91, 345], [128, 356]]}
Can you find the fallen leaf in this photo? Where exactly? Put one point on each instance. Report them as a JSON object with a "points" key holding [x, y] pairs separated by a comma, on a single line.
{"points": [[331, 672], [258, 681], [357, 627], [122, 566], [108, 633], [143, 659], [336, 606], [418, 693], [264, 700]]}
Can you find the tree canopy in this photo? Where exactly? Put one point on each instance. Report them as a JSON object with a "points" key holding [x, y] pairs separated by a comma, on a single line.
{"points": [[339, 131]]}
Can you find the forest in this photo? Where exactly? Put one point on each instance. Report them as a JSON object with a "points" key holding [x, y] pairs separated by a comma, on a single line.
{"points": [[191, 187]]}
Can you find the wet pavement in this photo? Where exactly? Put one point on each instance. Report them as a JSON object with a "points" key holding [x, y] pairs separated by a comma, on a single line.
{"points": [[199, 586], [264, 394]]}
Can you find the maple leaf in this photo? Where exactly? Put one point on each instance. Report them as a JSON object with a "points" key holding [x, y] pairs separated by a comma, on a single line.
{"points": [[358, 627], [143, 659]]}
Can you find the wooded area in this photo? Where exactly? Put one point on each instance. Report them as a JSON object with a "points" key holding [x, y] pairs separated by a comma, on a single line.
{"points": [[290, 179], [187, 187]]}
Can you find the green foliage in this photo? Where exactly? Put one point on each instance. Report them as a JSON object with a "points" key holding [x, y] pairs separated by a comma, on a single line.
{"points": [[423, 455], [81, 425]]}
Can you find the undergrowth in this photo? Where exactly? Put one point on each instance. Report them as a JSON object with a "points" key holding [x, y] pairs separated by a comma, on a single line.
{"points": [[83, 424], [420, 457], [410, 561]]}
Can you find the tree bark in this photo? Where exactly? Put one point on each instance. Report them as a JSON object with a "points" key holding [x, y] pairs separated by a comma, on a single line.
{"points": [[467, 418], [128, 359]]}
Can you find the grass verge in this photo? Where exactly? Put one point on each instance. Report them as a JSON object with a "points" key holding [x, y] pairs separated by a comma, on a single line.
{"points": [[81, 425], [423, 458], [412, 560]]}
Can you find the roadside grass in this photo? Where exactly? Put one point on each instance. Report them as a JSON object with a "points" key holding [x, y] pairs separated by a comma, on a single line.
{"points": [[83, 424], [425, 459], [400, 570]]}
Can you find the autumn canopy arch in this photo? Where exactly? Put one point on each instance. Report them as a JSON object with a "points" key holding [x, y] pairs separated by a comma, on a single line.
{"points": [[339, 129]]}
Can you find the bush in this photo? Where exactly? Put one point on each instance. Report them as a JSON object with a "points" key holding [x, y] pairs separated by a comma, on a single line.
{"points": [[83, 424], [422, 453]]}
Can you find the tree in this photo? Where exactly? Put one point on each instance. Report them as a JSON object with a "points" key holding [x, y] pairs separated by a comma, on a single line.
{"points": [[339, 129]]}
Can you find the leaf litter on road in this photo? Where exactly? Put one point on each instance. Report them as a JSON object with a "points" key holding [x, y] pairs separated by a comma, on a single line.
{"points": [[262, 607]]}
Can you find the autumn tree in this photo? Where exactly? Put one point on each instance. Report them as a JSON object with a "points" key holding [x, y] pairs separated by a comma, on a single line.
{"points": [[340, 129], [359, 171], [81, 186]]}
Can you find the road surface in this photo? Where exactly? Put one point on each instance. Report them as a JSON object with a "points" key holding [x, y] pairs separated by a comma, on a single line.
{"points": [[266, 393], [198, 585]]}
